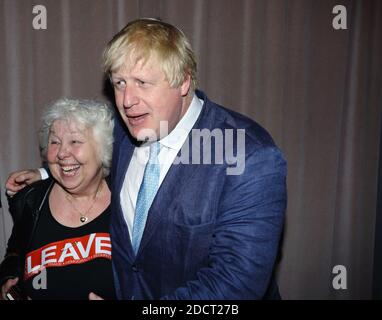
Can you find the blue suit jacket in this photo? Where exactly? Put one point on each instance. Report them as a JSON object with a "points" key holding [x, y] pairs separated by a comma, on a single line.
{"points": [[208, 235]]}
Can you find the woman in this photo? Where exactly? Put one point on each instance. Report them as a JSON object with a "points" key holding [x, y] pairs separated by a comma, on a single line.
{"points": [[61, 225]]}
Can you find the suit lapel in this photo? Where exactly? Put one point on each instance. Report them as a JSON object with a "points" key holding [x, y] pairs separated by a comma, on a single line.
{"points": [[167, 193], [124, 154], [177, 175]]}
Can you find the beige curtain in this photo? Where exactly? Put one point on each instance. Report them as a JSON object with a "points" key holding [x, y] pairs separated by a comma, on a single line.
{"points": [[316, 89]]}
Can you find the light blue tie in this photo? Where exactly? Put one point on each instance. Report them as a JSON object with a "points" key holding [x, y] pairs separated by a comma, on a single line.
{"points": [[146, 194]]}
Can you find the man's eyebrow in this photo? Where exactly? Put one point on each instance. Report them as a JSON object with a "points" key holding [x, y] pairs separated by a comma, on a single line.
{"points": [[116, 75]]}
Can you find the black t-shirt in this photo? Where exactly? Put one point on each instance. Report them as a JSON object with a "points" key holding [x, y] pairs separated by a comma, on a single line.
{"points": [[77, 260]]}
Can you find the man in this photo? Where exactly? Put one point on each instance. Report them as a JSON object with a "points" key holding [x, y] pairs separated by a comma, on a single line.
{"points": [[189, 219]]}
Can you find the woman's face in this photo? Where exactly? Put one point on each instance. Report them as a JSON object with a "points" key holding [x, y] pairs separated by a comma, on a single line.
{"points": [[73, 157]]}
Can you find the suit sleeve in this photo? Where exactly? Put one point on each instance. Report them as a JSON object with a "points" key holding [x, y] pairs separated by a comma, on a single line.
{"points": [[247, 232]]}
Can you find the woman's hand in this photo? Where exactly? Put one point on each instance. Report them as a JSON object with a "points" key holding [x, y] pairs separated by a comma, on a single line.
{"points": [[6, 286]]}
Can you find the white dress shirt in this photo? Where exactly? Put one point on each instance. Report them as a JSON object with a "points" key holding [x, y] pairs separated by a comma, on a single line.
{"points": [[170, 146]]}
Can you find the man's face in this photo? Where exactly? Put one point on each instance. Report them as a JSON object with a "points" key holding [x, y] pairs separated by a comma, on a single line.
{"points": [[144, 98]]}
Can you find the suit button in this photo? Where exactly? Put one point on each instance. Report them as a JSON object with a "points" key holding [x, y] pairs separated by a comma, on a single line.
{"points": [[134, 268]]}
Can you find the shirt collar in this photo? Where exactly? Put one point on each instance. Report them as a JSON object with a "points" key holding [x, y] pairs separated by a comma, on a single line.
{"points": [[176, 138]]}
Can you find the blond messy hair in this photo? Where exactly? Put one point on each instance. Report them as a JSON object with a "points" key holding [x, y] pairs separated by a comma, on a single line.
{"points": [[144, 38]]}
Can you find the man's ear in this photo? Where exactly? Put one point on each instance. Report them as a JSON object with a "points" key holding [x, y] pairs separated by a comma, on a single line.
{"points": [[186, 85]]}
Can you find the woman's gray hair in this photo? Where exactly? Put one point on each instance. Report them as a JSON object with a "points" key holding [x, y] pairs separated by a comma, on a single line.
{"points": [[96, 116]]}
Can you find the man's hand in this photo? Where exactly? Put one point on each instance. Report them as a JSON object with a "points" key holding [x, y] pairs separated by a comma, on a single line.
{"points": [[93, 296], [19, 179]]}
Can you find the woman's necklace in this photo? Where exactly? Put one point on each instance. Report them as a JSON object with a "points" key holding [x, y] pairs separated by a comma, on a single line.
{"points": [[83, 216]]}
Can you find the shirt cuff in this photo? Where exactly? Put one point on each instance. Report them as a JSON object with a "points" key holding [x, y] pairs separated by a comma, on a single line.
{"points": [[43, 173]]}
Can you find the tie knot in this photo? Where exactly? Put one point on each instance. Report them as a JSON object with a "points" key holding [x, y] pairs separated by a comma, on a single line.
{"points": [[154, 151]]}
